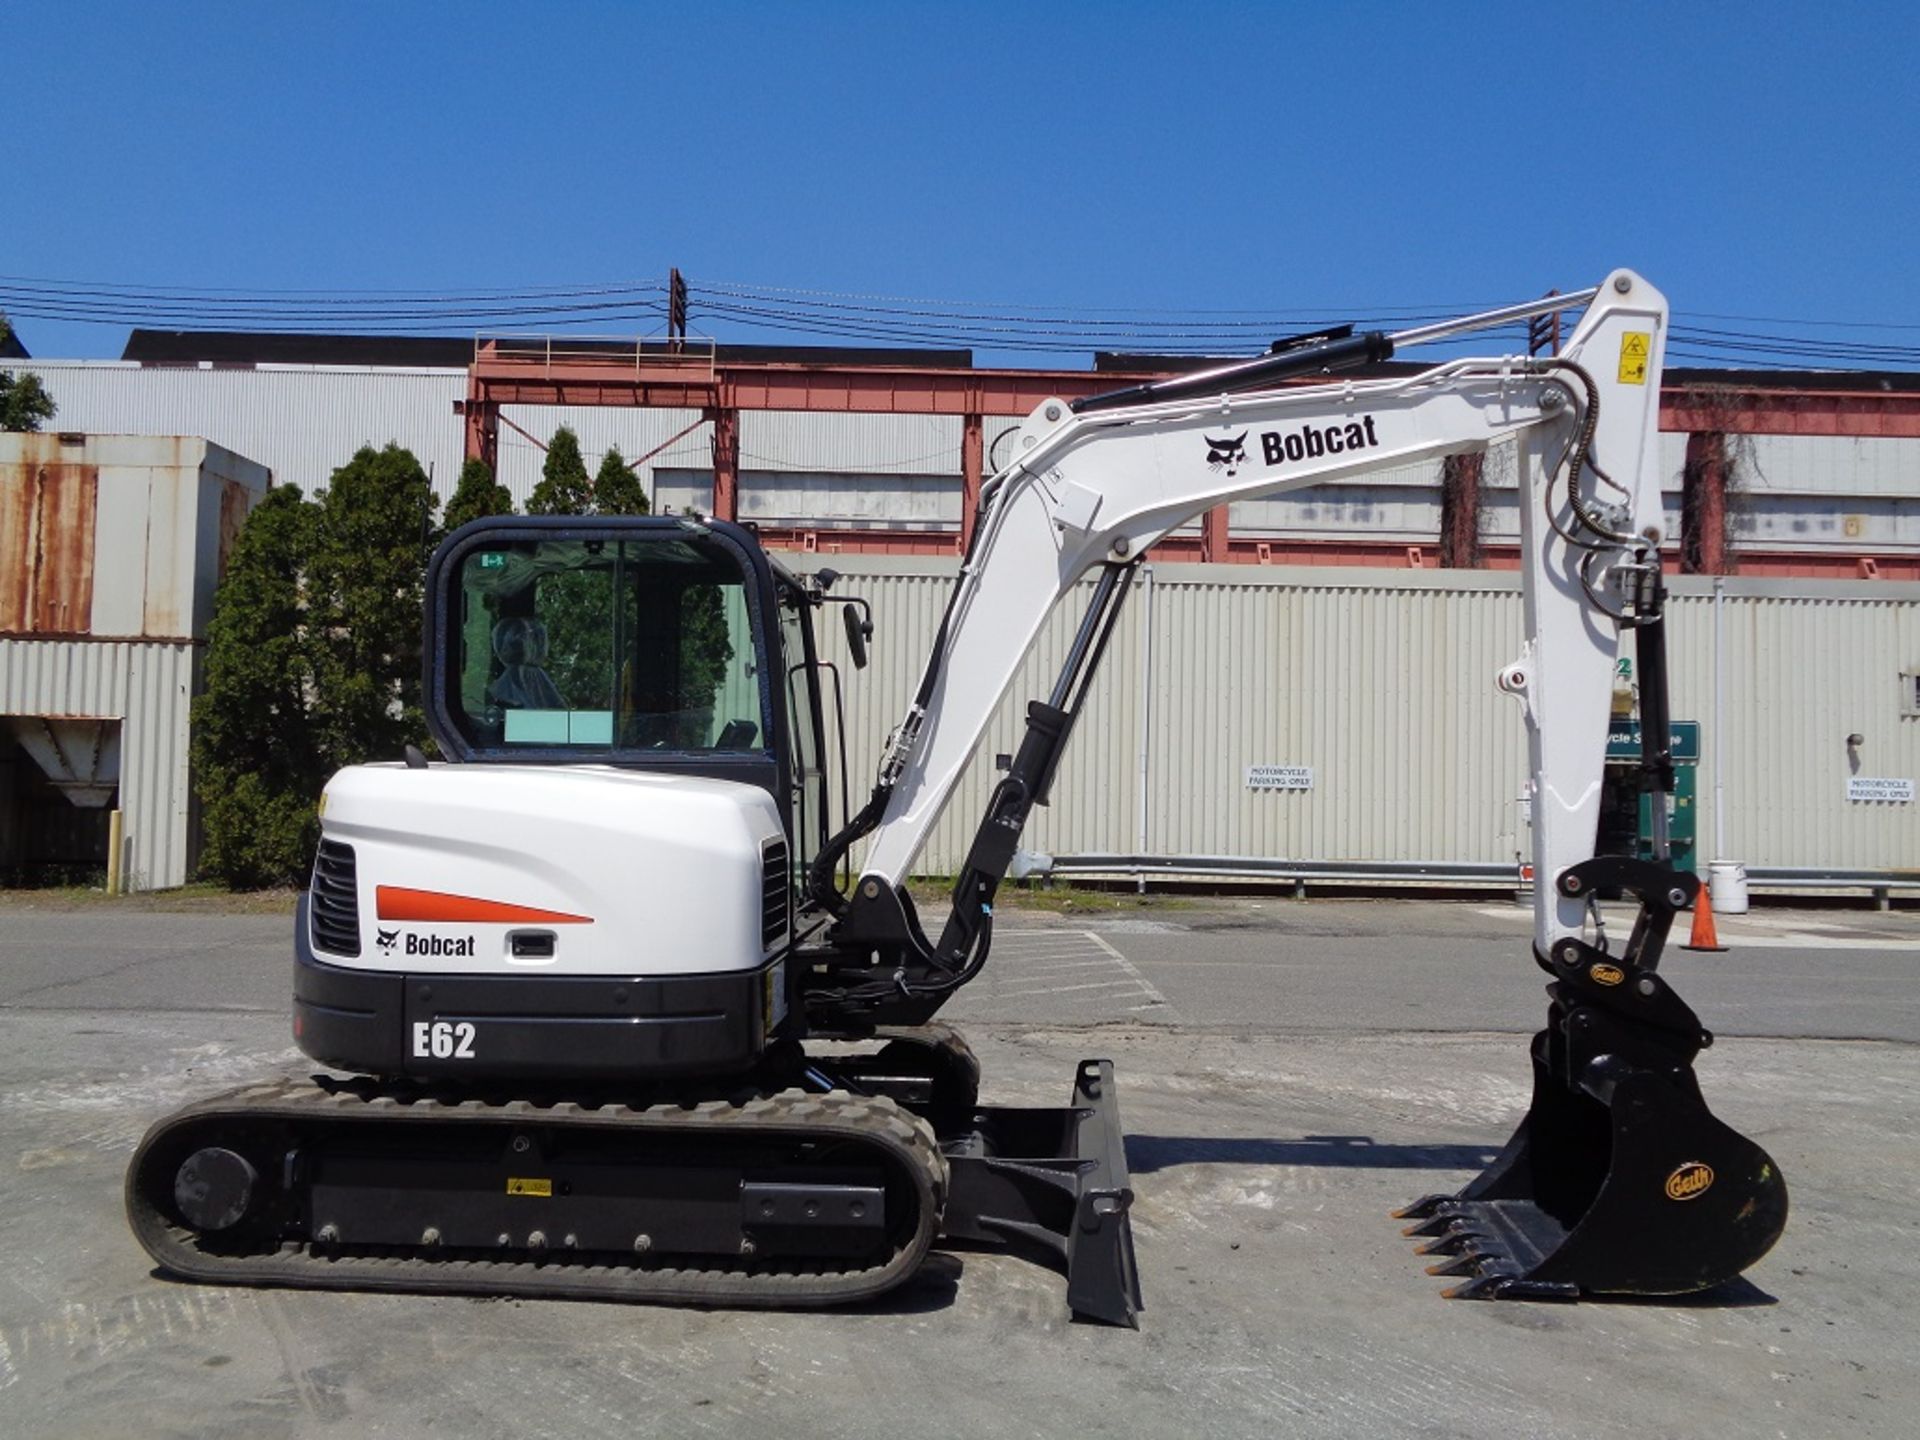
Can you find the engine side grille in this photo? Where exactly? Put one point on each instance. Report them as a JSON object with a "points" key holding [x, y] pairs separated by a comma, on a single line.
{"points": [[334, 908], [776, 888]]}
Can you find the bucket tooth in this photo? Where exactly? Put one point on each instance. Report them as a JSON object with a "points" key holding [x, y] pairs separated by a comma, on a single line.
{"points": [[1420, 1209], [1451, 1244], [1458, 1265], [1438, 1224]]}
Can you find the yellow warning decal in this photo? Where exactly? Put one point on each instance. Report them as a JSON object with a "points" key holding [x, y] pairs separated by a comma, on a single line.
{"points": [[1635, 346], [518, 1186]]}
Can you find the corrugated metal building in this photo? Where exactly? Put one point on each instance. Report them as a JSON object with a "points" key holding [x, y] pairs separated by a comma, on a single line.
{"points": [[800, 469], [1381, 682], [1378, 679], [110, 549]]}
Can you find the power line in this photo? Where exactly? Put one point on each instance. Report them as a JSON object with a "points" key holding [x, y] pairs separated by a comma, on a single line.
{"points": [[1048, 329]]}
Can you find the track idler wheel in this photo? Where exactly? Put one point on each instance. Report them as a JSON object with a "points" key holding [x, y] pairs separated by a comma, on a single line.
{"points": [[1619, 1181], [214, 1188]]}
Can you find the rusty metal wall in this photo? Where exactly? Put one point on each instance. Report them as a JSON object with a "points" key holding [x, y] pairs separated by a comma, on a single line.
{"points": [[149, 688], [46, 539], [117, 535], [1382, 682]]}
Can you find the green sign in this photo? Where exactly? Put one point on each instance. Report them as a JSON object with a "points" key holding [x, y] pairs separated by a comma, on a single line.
{"points": [[1623, 741]]}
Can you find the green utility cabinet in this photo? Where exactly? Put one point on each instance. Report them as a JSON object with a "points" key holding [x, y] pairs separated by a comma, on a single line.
{"points": [[1626, 816]]}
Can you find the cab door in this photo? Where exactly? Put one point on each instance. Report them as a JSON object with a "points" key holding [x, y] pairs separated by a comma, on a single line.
{"points": [[806, 734]]}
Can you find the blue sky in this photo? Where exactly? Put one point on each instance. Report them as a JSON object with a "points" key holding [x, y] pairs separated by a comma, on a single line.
{"points": [[1754, 160]]}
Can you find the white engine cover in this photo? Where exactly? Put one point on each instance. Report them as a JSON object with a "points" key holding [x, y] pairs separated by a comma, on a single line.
{"points": [[632, 873]]}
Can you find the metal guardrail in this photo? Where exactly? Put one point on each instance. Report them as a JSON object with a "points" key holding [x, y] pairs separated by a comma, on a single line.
{"points": [[697, 354], [1427, 872], [1790, 878], [1255, 867]]}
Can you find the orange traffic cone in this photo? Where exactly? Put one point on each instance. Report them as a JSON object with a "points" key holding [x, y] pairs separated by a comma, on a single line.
{"points": [[1704, 936]]}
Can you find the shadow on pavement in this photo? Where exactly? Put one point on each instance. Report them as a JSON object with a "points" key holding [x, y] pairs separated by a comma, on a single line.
{"points": [[1738, 1293], [1148, 1153]]}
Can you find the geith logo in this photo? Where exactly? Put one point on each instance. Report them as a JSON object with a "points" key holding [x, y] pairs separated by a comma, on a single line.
{"points": [[1228, 452], [435, 945], [1310, 442], [1602, 973], [1689, 1181]]}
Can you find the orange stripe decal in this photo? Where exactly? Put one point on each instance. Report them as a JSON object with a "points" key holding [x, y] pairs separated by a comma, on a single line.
{"points": [[392, 902]]}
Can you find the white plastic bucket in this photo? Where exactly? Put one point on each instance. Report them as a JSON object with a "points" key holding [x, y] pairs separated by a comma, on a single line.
{"points": [[1727, 884]]}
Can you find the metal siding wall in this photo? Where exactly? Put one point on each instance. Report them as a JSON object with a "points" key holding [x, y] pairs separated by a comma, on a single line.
{"points": [[635, 431], [1803, 673], [854, 444], [1398, 503], [1830, 464], [807, 498], [149, 688], [304, 421], [1385, 692], [1093, 794], [301, 423], [1384, 685]]}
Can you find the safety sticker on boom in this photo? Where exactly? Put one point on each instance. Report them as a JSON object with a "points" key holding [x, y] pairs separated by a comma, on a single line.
{"points": [[1634, 348]]}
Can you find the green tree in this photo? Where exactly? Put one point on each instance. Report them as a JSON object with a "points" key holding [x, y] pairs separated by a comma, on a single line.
{"points": [[313, 659], [564, 488], [257, 765], [365, 583], [616, 489], [24, 401], [478, 494]]}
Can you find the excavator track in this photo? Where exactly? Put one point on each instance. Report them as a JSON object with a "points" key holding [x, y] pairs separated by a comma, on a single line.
{"points": [[785, 1200]]}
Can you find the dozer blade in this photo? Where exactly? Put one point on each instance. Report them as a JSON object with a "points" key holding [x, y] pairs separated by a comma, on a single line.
{"points": [[1054, 1183], [1619, 1181]]}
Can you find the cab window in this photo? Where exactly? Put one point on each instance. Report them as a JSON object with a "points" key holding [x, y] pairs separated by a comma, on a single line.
{"points": [[609, 645]]}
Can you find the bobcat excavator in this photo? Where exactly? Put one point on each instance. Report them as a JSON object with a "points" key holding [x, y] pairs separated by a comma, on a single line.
{"points": [[611, 1022]]}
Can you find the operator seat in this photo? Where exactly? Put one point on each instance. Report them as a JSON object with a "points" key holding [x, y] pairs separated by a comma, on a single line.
{"points": [[520, 642]]}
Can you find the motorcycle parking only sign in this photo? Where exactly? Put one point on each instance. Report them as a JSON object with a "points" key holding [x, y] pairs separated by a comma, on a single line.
{"points": [[1279, 777], [1864, 787]]}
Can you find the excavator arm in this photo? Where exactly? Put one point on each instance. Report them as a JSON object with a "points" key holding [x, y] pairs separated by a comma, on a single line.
{"points": [[1619, 1179], [1093, 485]]}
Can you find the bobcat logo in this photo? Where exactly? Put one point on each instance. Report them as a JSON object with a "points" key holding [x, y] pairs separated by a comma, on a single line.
{"points": [[1226, 452], [388, 939]]}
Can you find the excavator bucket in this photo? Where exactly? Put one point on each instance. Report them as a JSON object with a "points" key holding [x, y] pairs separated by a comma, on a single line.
{"points": [[1619, 1180]]}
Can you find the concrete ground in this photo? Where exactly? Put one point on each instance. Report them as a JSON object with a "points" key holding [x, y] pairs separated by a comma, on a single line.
{"points": [[1289, 1073]]}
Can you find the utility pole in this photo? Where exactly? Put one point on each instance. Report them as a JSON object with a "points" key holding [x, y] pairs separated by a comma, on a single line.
{"points": [[676, 311]]}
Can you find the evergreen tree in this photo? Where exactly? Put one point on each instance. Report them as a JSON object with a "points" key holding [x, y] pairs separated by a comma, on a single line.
{"points": [[563, 488], [257, 766], [616, 489], [477, 495], [24, 401], [365, 588]]}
